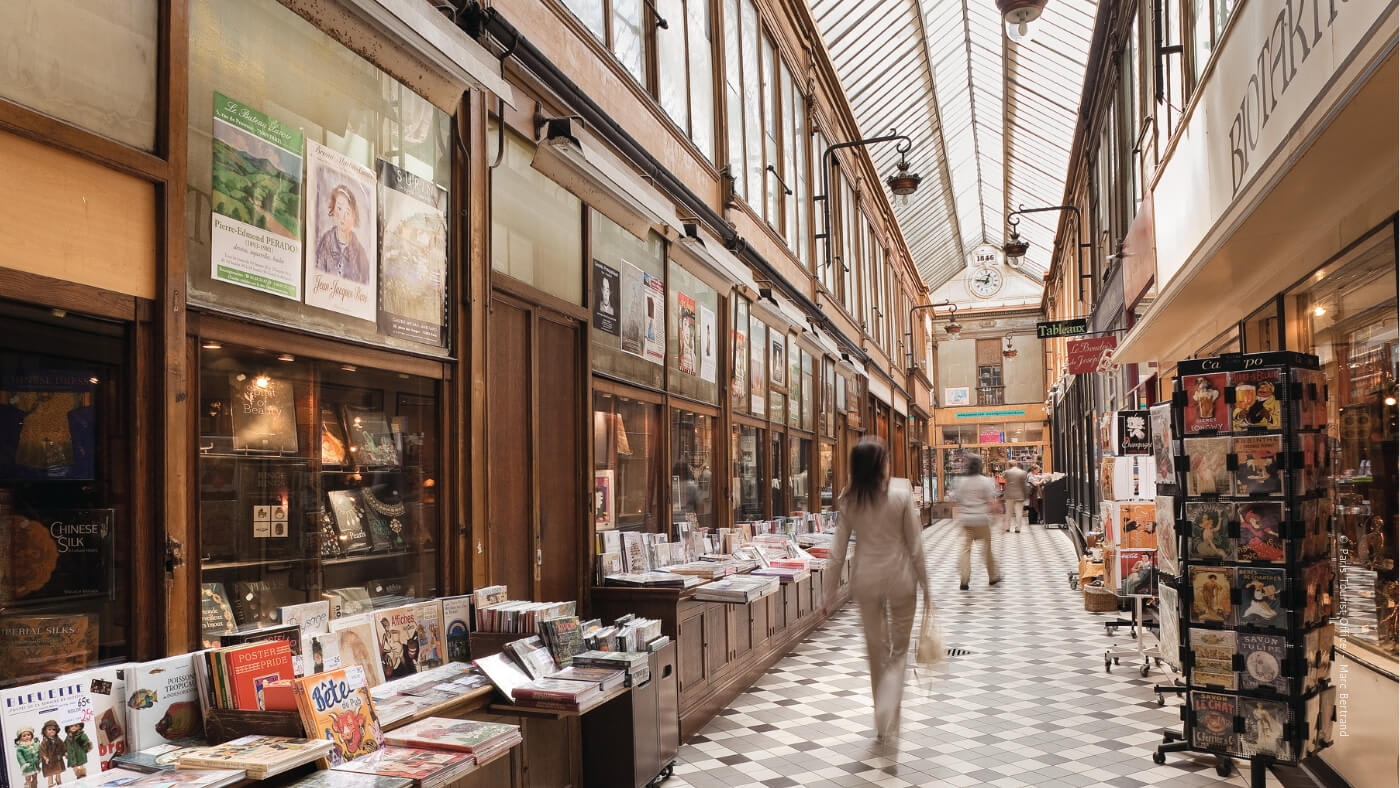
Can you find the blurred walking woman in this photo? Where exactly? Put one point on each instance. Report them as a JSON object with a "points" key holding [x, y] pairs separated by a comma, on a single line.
{"points": [[886, 569]]}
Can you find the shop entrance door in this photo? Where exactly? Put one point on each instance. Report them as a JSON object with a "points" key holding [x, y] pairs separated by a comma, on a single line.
{"points": [[535, 396]]}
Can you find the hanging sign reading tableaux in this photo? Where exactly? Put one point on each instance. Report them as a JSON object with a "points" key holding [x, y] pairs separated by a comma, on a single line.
{"points": [[1088, 355], [1061, 328]]}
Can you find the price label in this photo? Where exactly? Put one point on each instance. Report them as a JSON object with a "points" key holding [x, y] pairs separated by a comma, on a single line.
{"points": [[355, 676]]}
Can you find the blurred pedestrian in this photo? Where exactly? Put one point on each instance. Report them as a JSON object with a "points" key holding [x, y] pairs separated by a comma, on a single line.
{"points": [[974, 495]]}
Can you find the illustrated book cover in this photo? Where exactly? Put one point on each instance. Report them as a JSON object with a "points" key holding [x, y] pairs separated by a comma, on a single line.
{"points": [[1264, 657], [1260, 531], [357, 644], [36, 647], [1137, 570], [264, 414], [57, 555], [423, 767], [1137, 522], [48, 425], [1258, 469], [1257, 405], [1205, 409], [335, 449], [250, 666], [1210, 595], [410, 638], [1209, 472], [1169, 633], [1210, 531], [1213, 653], [162, 702], [336, 706], [65, 729], [215, 613], [1215, 722], [456, 617], [349, 518], [371, 441], [439, 733]]}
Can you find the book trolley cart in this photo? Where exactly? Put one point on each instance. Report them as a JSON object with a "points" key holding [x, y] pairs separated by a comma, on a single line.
{"points": [[1255, 587]]}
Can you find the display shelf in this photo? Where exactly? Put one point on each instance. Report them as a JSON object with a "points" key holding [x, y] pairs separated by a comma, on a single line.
{"points": [[269, 563], [358, 559]]}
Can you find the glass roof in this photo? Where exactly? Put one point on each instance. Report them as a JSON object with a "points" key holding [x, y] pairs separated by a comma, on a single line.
{"points": [[992, 121]]}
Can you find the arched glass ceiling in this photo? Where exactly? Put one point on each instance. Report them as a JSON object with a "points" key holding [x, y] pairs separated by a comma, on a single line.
{"points": [[992, 121]]}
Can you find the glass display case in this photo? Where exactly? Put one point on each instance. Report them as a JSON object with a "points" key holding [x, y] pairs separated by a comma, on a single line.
{"points": [[315, 480], [746, 449], [66, 454], [692, 468], [626, 463]]}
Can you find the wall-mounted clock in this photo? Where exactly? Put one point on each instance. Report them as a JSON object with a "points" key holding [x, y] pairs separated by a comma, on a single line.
{"points": [[984, 281]]}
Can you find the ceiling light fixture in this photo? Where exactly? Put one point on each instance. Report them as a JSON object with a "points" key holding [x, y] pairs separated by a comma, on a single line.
{"points": [[1319, 310], [903, 183], [1009, 352], [1015, 246], [1018, 16]]}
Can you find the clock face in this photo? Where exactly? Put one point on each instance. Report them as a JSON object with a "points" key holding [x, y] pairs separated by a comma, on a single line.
{"points": [[984, 282]]}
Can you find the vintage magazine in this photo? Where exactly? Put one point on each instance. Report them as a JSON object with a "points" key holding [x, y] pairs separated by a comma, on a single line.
{"points": [[410, 638], [1209, 539]]}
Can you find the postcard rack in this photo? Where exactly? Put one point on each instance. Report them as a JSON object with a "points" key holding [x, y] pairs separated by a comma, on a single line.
{"points": [[1251, 526]]}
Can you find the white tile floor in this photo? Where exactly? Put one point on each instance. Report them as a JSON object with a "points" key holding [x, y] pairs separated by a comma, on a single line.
{"points": [[1029, 705]]}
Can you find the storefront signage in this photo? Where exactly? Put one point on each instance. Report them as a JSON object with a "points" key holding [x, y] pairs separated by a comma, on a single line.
{"points": [[990, 434], [990, 414], [1090, 355], [1061, 328], [1278, 76]]}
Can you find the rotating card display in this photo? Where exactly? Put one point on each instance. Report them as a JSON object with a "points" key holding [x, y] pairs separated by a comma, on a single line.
{"points": [[1246, 569]]}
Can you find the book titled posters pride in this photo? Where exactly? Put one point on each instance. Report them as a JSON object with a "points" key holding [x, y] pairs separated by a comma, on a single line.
{"points": [[162, 702], [249, 667], [336, 706]]}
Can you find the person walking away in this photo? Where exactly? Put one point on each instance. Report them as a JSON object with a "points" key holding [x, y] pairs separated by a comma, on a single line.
{"points": [[888, 566], [974, 494], [1015, 495]]}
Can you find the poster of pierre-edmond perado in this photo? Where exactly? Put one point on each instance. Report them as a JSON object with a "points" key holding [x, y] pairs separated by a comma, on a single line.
{"points": [[255, 237], [341, 226]]}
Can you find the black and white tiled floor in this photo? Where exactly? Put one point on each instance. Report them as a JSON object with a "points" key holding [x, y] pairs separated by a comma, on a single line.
{"points": [[1030, 704]]}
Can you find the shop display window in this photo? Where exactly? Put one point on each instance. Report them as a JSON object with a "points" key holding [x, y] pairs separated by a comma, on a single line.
{"points": [[746, 449], [776, 454], [758, 367], [777, 407], [536, 224], [826, 472], [1345, 314], [66, 453], [739, 381], [808, 392], [828, 398], [107, 85], [633, 347], [794, 381], [692, 337], [316, 480], [692, 468], [318, 184], [627, 467], [800, 472]]}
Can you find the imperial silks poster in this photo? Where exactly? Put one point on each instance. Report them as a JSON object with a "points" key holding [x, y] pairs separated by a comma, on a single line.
{"points": [[255, 238], [341, 227], [412, 256]]}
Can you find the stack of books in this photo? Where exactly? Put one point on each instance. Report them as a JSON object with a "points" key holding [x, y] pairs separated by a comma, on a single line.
{"points": [[739, 589], [607, 679], [517, 616], [203, 778], [503, 673], [260, 756], [425, 768], [652, 579], [705, 570], [637, 665], [563, 637], [233, 677], [784, 574], [560, 694], [481, 740]]}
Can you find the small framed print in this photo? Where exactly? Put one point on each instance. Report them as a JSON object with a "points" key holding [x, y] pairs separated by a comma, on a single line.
{"points": [[604, 511]]}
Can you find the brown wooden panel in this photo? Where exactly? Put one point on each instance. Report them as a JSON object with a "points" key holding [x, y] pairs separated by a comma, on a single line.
{"points": [[690, 656], [740, 636], [716, 639], [511, 551], [559, 460], [758, 622]]}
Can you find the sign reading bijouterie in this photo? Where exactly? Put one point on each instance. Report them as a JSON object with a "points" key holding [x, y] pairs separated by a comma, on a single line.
{"points": [[1089, 355], [1061, 328]]}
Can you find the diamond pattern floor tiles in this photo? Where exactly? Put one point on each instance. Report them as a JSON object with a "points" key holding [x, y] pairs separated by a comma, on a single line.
{"points": [[1029, 705]]}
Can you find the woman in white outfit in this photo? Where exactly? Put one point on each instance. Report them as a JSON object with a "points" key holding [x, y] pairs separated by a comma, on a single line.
{"points": [[886, 569], [974, 494]]}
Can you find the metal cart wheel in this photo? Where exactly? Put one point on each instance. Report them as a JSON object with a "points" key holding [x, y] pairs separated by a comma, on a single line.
{"points": [[1224, 767], [1159, 757], [1145, 669], [1115, 660], [1161, 699], [1107, 664]]}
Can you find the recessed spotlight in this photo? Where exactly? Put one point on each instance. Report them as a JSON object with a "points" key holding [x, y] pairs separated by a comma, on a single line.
{"points": [[1390, 400], [1319, 310], [262, 381], [93, 381], [210, 344], [349, 367], [286, 357]]}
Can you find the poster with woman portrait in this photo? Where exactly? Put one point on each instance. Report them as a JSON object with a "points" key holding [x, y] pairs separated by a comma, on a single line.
{"points": [[634, 305], [412, 256], [342, 233]]}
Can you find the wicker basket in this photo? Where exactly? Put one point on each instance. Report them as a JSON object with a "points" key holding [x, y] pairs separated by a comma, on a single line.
{"points": [[1098, 599]]}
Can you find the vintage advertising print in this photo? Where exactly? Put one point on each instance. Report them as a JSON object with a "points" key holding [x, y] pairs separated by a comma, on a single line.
{"points": [[1205, 410], [342, 233], [654, 317], [412, 256], [1209, 472], [687, 334], [1257, 405], [1260, 539], [709, 352], [1210, 595], [634, 306], [255, 237], [1257, 469]]}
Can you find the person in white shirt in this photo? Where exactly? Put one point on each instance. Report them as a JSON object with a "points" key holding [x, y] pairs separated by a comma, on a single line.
{"points": [[887, 568], [974, 494], [1015, 495]]}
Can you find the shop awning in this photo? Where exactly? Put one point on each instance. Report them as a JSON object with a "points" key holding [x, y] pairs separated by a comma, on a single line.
{"points": [[880, 389], [413, 42], [574, 160]]}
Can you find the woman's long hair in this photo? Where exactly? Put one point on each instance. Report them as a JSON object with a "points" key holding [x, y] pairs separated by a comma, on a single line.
{"points": [[867, 482], [972, 465]]}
